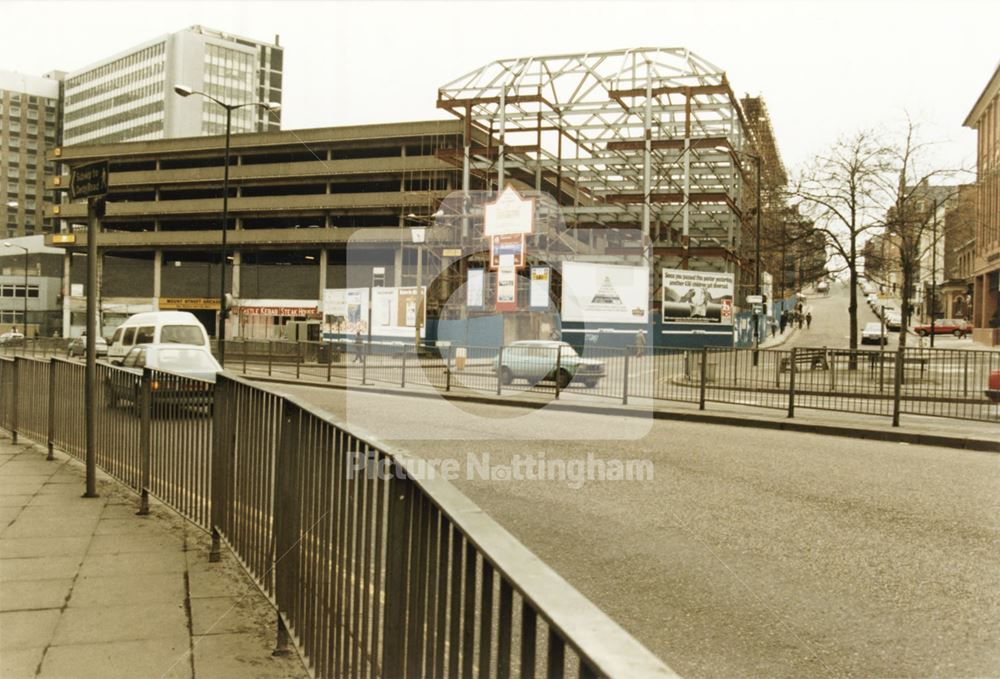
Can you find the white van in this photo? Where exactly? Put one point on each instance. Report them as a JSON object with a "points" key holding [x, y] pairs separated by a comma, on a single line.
{"points": [[156, 327]]}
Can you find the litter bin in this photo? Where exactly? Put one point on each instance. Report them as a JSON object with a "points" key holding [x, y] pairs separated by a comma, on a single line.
{"points": [[460, 358], [325, 353]]}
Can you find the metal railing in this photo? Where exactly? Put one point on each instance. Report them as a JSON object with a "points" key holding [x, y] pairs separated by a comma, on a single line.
{"points": [[374, 570], [932, 382]]}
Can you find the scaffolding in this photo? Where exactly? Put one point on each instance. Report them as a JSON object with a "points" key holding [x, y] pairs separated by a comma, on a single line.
{"points": [[650, 141]]}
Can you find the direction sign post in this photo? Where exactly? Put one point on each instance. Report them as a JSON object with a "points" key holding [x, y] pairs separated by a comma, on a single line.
{"points": [[91, 182]]}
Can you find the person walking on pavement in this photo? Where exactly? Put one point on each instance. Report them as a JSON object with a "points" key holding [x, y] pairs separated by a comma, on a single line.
{"points": [[359, 345], [640, 342], [783, 320], [809, 319]]}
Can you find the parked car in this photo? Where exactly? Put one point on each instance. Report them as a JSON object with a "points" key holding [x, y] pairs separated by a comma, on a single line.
{"points": [[872, 334], [945, 326], [156, 327], [547, 360], [893, 319], [78, 346], [185, 375], [12, 337]]}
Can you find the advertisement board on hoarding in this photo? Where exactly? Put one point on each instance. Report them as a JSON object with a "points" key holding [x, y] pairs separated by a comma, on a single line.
{"points": [[605, 293], [539, 297], [395, 311], [697, 296], [474, 297], [506, 284]]}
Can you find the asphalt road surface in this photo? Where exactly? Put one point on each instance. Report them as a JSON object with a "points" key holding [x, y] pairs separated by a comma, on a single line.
{"points": [[750, 553], [830, 321]]}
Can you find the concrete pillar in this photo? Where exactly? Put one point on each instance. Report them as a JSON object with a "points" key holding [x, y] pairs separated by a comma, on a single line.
{"points": [[323, 259], [237, 260], [397, 267], [157, 276]]}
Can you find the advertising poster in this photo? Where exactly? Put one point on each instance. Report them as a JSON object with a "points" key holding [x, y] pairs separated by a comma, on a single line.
{"points": [[394, 311], [605, 293], [540, 277], [506, 284], [697, 297], [474, 297], [410, 307], [767, 289]]}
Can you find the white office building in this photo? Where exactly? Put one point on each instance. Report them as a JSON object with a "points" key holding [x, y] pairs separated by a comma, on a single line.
{"points": [[130, 97]]}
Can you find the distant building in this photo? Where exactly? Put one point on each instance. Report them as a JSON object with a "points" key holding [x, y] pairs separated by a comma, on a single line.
{"points": [[29, 128], [985, 119], [130, 97], [43, 273]]}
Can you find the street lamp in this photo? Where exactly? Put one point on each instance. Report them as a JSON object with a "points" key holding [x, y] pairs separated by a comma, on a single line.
{"points": [[8, 244], [756, 285], [185, 91]]}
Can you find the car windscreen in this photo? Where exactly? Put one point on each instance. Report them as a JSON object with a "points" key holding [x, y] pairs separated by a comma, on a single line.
{"points": [[185, 360], [181, 334]]}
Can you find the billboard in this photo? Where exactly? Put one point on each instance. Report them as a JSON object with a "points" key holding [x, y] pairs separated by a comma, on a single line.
{"points": [[605, 293], [395, 311], [539, 297], [697, 297]]}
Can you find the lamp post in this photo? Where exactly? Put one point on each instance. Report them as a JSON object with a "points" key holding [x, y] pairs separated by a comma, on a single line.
{"points": [[8, 244], [185, 91]]}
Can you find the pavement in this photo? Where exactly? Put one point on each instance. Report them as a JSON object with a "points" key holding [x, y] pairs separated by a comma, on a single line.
{"points": [[90, 589]]}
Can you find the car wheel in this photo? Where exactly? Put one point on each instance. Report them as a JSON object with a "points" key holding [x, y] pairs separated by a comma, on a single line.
{"points": [[958, 333], [922, 333], [563, 379], [506, 376], [590, 384]]}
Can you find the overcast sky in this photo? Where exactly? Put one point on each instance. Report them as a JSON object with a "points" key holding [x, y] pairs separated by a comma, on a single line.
{"points": [[824, 68]]}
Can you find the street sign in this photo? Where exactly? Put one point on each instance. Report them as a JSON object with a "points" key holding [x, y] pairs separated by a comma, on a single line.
{"points": [[755, 299], [758, 309], [89, 181]]}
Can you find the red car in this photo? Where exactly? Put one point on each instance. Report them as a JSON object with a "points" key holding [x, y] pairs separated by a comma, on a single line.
{"points": [[945, 326]]}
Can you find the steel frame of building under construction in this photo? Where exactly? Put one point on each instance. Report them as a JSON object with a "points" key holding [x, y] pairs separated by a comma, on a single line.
{"points": [[650, 141]]}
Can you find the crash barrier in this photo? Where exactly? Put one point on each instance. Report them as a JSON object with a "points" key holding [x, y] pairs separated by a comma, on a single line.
{"points": [[912, 381], [376, 567]]}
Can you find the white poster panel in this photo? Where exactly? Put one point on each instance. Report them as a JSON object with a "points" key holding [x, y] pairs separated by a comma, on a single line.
{"points": [[474, 297], [767, 289], [540, 277], [383, 309], [506, 284], [605, 293], [697, 297]]}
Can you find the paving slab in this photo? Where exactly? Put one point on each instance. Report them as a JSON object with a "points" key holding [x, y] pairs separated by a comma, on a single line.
{"points": [[88, 589]]}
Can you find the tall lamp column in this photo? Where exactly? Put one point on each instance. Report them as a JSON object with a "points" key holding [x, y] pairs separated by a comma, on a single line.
{"points": [[184, 91]]}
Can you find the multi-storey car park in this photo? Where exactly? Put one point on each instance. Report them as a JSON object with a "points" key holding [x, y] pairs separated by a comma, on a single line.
{"points": [[630, 144]]}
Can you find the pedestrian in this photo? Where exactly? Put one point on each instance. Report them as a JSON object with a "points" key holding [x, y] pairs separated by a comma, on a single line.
{"points": [[783, 320], [774, 327], [809, 319], [640, 342], [554, 335], [359, 347], [799, 319]]}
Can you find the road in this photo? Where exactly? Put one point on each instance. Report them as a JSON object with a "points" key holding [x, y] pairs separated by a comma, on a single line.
{"points": [[750, 553], [830, 321]]}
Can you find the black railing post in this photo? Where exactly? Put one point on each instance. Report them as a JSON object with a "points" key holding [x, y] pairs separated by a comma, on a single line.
{"points": [[298, 360], [791, 383], [52, 410], [558, 373], [447, 369], [499, 369], [394, 626], [14, 399], [270, 351], [364, 362], [402, 376], [897, 385], [244, 344], [145, 440], [702, 378], [287, 542], [223, 440], [625, 380]]}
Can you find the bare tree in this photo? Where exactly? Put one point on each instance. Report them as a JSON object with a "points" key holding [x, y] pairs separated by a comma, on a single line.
{"points": [[841, 192], [911, 203]]}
